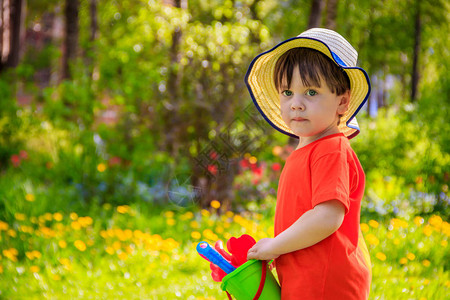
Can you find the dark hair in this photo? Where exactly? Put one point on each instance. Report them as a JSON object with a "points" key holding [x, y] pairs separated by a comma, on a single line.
{"points": [[312, 65]]}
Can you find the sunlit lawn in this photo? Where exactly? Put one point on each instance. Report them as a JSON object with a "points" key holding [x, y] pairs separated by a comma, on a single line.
{"points": [[132, 253]]}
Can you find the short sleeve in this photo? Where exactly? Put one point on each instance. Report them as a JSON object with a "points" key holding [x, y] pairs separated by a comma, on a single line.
{"points": [[330, 179]]}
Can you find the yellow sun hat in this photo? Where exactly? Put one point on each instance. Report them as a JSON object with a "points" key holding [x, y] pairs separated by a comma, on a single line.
{"points": [[260, 77]]}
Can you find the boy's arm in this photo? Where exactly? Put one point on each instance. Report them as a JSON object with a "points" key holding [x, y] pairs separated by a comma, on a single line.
{"points": [[312, 227]]}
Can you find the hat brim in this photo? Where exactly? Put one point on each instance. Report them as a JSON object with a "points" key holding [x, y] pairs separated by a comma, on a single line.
{"points": [[260, 83]]}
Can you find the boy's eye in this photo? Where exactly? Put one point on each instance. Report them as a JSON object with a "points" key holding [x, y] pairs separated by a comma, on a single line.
{"points": [[287, 93], [311, 92]]}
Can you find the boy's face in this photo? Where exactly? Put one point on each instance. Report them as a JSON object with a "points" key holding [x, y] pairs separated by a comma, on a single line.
{"points": [[311, 112]]}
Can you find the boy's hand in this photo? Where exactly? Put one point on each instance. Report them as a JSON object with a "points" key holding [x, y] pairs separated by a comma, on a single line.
{"points": [[263, 250]]}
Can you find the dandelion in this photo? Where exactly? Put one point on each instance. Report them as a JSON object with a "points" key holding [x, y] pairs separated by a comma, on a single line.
{"points": [[56, 277], [229, 214], [11, 254], [170, 222], [73, 216], [426, 263], [253, 160], [396, 241], [215, 204], [372, 239], [34, 269], [194, 224], [410, 256], [12, 233], [196, 235], [427, 230], [57, 217], [169, 214], [75, 225], [364, 227], [435, 221], [110, 250], [418, 221], [101, 167], [117, 245], [85, 221], [164, 258], [403, 260], [80, 245], [122, 256], [373, 223], [123, 209], [381, 256], [3, 226], [48, 216], [205, 213], [62, 244], [29, 197], [19, 216]]}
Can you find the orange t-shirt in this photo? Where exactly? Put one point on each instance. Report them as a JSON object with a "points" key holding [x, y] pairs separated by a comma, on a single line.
{"points": [[337, 267]]}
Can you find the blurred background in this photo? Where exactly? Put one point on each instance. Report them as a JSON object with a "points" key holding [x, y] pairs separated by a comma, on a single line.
{"points": [[127, 136]]}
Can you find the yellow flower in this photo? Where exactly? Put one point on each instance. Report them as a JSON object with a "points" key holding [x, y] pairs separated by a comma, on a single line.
{"points": [[80, 245], [196, 235], [219, 229], [444, 243], [164, 258], [12, 233], [229, 214], [123, 209], [410, 256], [75, 225], [403, 260], [277, 150], [215, 204], [116, 245], [57, 217], [169, 214], [194, 224], [85, 221], [3, 226], [62, 244], [427, 230], [170, 222], [101, 167], [109, 250], [29, 255], [56, 277], [207, 233], [373, 223], [34, 269], [19, 216], [426, 263], [29, 197], [381, 256], [364, 227], [48, 216], [205, 213], [418, 221], [253, 160], [446, 228], [372, 239], [1, 269], [122, 256], [396, 241], [73, 216], [187, 216], [435, 221]]}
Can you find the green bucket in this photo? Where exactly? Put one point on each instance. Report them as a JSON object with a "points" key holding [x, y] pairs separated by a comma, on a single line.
{"points": [[243, 282]]}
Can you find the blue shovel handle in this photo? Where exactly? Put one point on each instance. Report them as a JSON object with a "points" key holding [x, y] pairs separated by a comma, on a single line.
{"points": [[213, 256]]}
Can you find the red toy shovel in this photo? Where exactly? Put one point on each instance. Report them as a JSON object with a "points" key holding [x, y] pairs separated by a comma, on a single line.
{"points": [[238, 247]]}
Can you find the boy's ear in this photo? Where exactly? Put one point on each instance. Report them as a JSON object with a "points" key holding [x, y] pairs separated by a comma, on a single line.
{"points": [[344, 101]]}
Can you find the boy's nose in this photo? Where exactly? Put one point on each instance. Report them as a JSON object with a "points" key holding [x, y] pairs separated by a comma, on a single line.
{"points": [[297, 104]]}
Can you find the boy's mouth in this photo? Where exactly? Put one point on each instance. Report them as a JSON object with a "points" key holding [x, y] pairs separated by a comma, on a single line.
{"points": [[298, 119]]}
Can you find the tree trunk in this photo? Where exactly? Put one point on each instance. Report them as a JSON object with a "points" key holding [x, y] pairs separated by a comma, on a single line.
{"points": [[316, 13], [330, 21], [90, 51], [70, 47], [13, 34], [417, 42]]}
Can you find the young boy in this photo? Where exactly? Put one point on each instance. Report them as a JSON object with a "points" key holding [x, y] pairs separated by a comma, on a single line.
{"points": [[309, 87]]}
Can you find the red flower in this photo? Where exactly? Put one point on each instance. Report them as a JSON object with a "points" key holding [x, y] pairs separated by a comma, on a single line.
{"points": [[244, 163], [257, 170], [23, 154], [15, 159], [49, 165], [255, 181], [213, 155], [276, 167], [115, 160], [212, 169]]}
